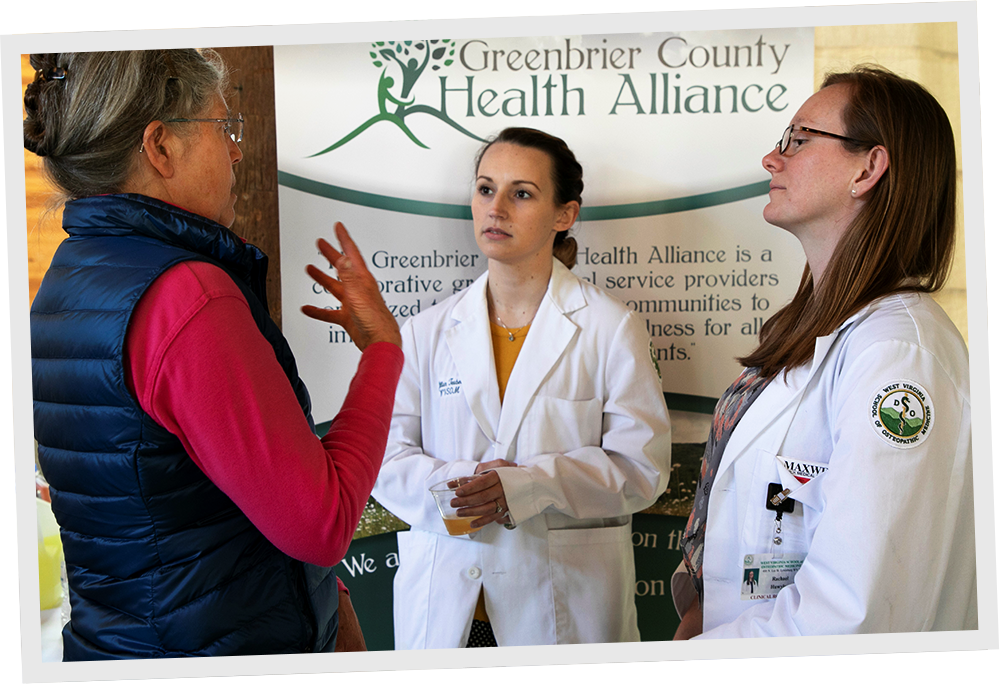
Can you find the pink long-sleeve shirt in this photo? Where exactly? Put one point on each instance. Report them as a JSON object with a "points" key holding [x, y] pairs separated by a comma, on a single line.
{"points": [[198, 365]]}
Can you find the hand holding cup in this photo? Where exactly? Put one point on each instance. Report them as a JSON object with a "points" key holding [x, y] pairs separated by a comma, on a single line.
{"points": [[483, 498]]}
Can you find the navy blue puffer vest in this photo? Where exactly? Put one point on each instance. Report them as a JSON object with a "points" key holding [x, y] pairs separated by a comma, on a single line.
{"points": [[160, 562]]}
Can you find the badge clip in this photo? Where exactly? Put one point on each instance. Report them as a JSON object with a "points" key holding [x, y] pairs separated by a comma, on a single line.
{"points": [[778, 501]]}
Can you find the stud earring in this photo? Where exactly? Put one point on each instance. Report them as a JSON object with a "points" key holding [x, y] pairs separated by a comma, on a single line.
{"points": [[854, 191]]}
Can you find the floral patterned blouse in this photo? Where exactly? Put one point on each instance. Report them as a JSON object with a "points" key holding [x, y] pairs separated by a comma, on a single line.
{"points": [[728, 412]]}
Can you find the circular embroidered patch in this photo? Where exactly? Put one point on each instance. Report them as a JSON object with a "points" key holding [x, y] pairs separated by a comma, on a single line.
{"points": [[901, 413]]}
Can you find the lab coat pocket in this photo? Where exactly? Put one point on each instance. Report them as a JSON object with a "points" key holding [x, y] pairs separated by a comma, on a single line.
{"points": [[795, 528], [810, 494], [553, 425], [800, 525], [593, 584]]}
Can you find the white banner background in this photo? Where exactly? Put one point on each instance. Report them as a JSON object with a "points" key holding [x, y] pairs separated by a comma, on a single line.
{"points": [[661, 229]]}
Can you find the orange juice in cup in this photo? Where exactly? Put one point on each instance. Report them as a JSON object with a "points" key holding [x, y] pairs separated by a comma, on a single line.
{"points": [[443, 493], [458, 526]]}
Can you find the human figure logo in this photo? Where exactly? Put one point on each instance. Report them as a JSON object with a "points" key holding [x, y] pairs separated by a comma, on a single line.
{"points": [[408, 60]]}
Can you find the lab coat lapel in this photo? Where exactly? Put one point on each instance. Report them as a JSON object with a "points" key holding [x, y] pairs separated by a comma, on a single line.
{"points": [[471, 348], [772, 413], [550, 333]]}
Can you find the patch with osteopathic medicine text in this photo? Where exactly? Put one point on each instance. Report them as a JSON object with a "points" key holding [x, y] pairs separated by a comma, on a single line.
{"points": [[803, 471], [765, 574], [901, 413]]}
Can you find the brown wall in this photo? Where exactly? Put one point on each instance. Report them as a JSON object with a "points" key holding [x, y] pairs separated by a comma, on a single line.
{"points": [[44, 226], [252, 93]]}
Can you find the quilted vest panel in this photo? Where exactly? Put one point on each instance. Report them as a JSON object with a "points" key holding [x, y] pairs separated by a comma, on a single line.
{"points": [[160, 562]]}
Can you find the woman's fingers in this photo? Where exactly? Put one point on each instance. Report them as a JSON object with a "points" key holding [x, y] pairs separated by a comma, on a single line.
{"points": [[351, 250], [482, 498], [362, 312], [329, 251], [330, 284], [335, 316], [485, 514], [476, 486]]}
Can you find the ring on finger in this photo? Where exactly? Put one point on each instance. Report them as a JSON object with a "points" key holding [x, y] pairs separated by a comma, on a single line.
{"points": [[499, 507]]}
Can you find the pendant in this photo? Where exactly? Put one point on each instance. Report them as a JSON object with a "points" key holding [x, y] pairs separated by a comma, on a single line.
{"points": [[510, 336]]}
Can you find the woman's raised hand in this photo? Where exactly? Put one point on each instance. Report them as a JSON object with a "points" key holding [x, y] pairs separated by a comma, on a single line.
{"points": [[362, 313]]}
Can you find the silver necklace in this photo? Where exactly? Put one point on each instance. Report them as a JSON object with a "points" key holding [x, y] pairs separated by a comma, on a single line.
{"points": [[510, 335]]}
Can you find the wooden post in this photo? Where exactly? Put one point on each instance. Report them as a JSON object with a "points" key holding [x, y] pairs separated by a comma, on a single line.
{"points": [[251, 92]]}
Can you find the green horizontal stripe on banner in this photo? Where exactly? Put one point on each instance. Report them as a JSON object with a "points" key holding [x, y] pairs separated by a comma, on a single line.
{"points": [[368, 199], [463, 212], [672, 206]]}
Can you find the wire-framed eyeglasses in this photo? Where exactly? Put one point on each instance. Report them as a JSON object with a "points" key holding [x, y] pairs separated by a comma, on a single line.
{"points": [[233, 127], [786, 138]]}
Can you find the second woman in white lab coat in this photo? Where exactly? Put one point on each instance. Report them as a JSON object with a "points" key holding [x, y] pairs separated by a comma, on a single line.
{"points": [[839, 467], [573, 438]]}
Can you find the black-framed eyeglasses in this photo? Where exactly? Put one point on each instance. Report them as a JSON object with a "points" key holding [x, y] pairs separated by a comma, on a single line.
{"points": [[233, 128], [786, 138]]}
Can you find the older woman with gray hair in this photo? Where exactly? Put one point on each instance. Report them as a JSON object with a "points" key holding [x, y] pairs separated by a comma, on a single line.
{"points": [[199, 512]]}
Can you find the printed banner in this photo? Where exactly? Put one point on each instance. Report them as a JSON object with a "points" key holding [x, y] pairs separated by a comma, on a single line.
{"points": [[670, 129]]}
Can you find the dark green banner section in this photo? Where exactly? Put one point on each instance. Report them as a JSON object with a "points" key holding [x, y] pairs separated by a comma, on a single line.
{"points": [[370, 566], [463, 212], [688, 402]]}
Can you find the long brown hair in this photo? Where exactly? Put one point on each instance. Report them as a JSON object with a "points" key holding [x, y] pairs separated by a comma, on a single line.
{"points": [[903, 237], [567, 177]]}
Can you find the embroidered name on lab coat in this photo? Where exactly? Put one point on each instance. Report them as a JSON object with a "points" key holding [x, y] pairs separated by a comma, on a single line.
{"points": [[449, 386]]}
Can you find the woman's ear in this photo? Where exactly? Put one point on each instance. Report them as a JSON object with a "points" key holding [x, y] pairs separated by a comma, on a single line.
{"points": [[158, 146], [567, 216], [876, 164]]}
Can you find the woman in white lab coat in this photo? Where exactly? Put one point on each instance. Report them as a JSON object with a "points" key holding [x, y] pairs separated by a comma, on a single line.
{"points": [[573, 438], [839, 465]]}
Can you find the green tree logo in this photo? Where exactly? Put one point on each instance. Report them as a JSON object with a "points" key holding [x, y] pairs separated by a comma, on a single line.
{"points": [[411, 58]]}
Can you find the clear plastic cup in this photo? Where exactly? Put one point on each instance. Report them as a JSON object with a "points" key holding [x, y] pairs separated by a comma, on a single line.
{"points": [[443, 493]]}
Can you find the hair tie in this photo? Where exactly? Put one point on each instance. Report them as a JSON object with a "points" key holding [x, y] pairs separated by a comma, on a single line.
{"points": [[53, 74]]}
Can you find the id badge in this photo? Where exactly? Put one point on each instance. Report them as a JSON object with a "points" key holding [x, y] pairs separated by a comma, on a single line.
{"points": [[765, 574]]}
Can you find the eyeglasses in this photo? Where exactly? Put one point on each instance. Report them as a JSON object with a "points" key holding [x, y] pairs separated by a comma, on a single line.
{"points": [[233, 128], [786, 138]]}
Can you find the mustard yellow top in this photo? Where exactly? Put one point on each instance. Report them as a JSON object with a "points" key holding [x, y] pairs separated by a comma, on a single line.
{"points": [[505, 353]]}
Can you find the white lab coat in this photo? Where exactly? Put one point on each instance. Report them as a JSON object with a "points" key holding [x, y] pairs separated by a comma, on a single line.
{"points": [[584, 418], [887, 531]]}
